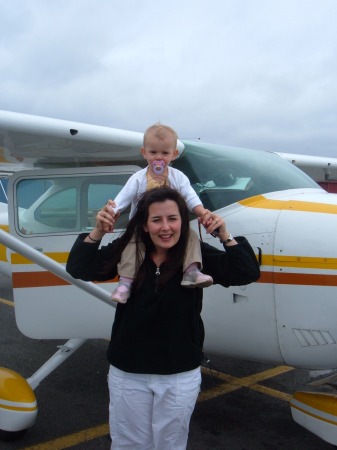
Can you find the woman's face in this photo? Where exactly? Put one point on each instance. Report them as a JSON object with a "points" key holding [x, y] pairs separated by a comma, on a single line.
{"points": [[164, 224]]}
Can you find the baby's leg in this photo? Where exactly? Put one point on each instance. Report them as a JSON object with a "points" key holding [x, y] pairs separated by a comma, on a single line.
{"points": [[126, 270], [193, 263]]}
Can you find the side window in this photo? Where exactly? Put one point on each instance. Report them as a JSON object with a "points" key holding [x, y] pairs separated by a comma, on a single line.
{"points": [[98, 195], [61, 204], [28, 191], [3, 190], [58, 210]]}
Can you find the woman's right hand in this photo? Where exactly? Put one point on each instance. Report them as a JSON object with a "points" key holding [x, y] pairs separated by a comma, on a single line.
{"points": [[106, 218], [105, 221]]}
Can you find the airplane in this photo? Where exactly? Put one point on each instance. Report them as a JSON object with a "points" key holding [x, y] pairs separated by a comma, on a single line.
{"points": [[62, 174]]}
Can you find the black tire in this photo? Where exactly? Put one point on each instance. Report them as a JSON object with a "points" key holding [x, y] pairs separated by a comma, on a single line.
{"points": [[8, 436]]}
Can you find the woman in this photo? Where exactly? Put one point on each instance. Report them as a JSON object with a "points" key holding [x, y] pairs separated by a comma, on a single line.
{"points": [[156, 343]]}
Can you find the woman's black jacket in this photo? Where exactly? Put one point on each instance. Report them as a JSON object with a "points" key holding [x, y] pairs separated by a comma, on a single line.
{"points": [[160, 331]]}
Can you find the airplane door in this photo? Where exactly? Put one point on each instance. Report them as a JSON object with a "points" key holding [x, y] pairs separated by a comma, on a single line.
{"points": [[48, 209]]}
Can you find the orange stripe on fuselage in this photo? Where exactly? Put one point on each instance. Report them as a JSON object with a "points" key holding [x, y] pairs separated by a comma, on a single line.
{"points": [[36, 279], [41, 279], [301, 279], [45, 279]]}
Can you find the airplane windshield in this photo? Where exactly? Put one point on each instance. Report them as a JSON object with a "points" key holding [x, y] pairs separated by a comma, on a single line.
{"points": [[224, 175]]}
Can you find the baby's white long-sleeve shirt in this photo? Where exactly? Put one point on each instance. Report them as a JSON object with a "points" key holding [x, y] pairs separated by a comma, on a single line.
{"points": [[136, 186]]}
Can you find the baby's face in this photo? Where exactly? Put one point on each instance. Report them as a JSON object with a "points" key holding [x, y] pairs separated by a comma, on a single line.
{"points": [[159, 153]]}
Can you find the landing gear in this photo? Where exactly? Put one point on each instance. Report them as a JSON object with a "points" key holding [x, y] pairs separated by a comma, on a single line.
{"points": [[18, 407]]}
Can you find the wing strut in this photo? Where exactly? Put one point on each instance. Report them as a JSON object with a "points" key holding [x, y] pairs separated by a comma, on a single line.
{"points": [[58, 269]]}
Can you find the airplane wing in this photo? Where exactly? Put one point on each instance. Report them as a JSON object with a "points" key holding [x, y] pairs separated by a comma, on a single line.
{"points": [[33, 141], [320, 168], [40, 141]]}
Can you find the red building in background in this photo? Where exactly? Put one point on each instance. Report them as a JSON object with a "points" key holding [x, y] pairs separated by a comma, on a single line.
{"points": [[329, 186]]}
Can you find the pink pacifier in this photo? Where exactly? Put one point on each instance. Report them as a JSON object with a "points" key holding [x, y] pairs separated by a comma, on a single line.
{"points": [[158, 167]]}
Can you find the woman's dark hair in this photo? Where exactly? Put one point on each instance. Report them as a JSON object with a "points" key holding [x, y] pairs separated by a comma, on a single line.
{"points": [[135, 227]]}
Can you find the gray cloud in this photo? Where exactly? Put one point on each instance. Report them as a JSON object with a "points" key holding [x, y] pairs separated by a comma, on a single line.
{"points": [[256, 73]]}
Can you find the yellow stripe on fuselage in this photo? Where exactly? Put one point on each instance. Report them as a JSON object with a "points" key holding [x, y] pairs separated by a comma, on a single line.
{"points": [[262, 202], [60, 257], [299, 262]]}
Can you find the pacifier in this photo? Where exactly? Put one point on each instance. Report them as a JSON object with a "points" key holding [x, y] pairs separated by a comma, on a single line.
{"points": [[158, 167]]}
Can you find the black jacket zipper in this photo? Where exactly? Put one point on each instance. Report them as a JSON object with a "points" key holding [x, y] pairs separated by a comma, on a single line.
{"points": [[157, 278]]}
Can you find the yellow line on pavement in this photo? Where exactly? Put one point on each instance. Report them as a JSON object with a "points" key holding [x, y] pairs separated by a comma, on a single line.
{"points": [[6, 302], [271, 392], [72, 439], [233, 383]]}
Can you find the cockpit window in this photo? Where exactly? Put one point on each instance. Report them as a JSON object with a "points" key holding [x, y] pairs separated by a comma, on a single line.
{"points": [[225, 175]]}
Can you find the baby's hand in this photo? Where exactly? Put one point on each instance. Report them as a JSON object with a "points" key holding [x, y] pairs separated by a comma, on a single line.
{"points": [[208, 222], [109, 217], [206, 218], [111, 205]]}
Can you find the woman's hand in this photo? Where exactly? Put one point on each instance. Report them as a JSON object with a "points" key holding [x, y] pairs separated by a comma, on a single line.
{"points": [[106, 218], [213, 223], [105, 221]]}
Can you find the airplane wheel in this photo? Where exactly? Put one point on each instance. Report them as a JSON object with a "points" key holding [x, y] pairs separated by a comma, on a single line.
{"points": [[18, 406], [8, 436]]}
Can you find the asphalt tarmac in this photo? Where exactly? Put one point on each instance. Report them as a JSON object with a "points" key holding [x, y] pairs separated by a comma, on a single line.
{"points": [[242, 406]]}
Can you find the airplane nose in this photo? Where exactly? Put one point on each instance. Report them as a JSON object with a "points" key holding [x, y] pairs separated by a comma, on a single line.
{"points": [[305, 277], [295, 298]]}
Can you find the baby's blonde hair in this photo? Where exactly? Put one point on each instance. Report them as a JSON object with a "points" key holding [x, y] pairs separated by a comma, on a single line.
{"points": [[160, 131]]}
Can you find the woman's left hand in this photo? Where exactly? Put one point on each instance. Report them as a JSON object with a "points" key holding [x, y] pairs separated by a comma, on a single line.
{"points": [[212, 222]]}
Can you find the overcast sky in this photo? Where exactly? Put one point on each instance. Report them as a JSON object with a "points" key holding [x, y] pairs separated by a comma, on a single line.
{"points": [[248, 73]]}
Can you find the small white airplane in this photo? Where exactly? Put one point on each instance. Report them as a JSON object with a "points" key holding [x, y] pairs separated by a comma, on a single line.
{"points": [[287, 317]]}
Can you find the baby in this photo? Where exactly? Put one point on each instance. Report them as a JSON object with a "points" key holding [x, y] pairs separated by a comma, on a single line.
{"points": [[159, 149]]}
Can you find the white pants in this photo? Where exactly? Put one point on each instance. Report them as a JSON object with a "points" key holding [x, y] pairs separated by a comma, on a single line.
{"points": [[151, 412]]}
